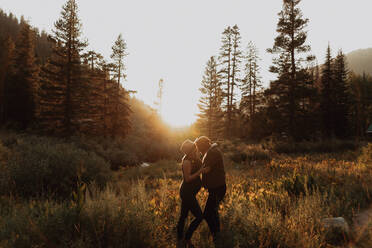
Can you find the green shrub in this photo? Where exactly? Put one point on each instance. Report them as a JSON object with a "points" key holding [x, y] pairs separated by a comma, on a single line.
{"points": [[44, 167]]}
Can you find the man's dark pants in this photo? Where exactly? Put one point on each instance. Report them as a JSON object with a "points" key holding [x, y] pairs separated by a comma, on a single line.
{"points": [[210, 214]]}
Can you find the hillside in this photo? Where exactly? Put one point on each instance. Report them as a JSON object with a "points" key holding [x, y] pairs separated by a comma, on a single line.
{"points": [[360, 61]]}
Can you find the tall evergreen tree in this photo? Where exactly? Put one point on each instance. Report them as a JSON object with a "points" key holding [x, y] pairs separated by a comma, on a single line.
{"points": [[341, 97], [225, 71], [63, 92], [122, 110], [119, 52], [235, 62], [327, 98], [210, 117], [251, 81], [230, 59], [289, 44], [250, 89]]}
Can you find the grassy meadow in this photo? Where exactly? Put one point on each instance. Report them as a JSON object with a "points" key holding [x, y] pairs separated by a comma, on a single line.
{"points": [[57, 194]]}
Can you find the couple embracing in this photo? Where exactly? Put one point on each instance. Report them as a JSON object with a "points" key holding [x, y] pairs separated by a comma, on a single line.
{"points": [[211, 168]]}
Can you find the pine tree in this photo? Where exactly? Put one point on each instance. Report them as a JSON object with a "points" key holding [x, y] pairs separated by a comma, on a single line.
{"points": [[289, 44], [235, 62], [327, 98], [118, 55], [250, 87], [230, 59], [225, 71], [210, 117], [341, 96], [252, 81], [63, 92], [121, 113], [24, 80]]}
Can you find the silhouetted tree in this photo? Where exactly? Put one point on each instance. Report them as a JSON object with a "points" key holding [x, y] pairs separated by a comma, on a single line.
{"points": [[63, 92], [211, 116], [327, 103], [341, 96], [230, 59], [250, 87], [252, 81], [122, 110], [289, 44]]}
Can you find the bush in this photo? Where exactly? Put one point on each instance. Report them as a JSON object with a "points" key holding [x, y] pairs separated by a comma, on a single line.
{"points": [[45, 167], [255, 153], [248, 154], [130, 151]]}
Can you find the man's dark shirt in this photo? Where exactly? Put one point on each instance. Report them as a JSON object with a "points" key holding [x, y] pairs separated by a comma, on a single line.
{"points": [[216, 176]]}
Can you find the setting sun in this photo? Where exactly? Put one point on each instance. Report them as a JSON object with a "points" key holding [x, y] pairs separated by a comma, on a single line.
{"points": [[179, 110]]}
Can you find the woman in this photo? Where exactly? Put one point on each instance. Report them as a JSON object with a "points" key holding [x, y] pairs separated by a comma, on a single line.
{"points": [[190, 186]]}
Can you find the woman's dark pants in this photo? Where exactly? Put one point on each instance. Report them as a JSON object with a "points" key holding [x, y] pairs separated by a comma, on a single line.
{"points": [[189, 203]]}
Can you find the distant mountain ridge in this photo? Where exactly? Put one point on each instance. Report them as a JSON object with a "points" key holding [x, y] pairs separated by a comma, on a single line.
{"points": [[360, 61]]}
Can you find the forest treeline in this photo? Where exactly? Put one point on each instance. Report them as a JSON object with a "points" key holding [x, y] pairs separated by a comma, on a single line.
{"points": [[52, 84], [307, 101]]}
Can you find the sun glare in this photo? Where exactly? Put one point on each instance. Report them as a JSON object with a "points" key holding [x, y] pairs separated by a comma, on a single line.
{"points": [[178, 116]]}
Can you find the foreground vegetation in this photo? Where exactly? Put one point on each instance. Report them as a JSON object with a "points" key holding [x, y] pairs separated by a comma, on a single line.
{"points": [[60, 194]]}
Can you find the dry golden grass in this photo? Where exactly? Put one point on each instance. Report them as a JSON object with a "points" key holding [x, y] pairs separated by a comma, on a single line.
{"points": [[269, 203]]}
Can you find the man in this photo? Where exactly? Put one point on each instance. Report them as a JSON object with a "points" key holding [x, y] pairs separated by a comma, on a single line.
{"points": [[214, 180]]}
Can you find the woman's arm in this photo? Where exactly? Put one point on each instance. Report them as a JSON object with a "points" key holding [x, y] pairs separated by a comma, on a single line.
{"points": [[186, 165]]}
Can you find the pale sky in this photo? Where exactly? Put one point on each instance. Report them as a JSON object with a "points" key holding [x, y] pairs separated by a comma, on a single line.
{"points": [[173, 39]]}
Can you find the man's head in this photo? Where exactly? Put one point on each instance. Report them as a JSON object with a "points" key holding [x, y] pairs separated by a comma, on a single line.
{"points": [[203, 143]]}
